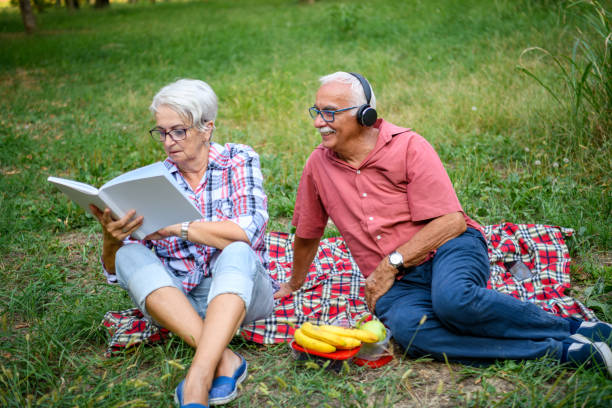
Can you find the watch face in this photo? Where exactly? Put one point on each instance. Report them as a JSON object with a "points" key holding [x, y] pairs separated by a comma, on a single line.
{"points": [[396, 259]]}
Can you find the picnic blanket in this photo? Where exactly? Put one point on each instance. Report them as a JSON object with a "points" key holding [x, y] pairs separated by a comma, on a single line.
{"points": [[334, 287]]}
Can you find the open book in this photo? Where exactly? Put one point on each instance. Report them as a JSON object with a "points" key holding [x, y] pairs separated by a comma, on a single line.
{"points": [[150, 190]]}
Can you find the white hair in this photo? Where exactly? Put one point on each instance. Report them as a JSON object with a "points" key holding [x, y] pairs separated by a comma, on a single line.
{"points": [[358, 97], [191, 98]]}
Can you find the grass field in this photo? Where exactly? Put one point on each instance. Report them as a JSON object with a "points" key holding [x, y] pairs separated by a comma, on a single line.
{"points": [[75, 100]]}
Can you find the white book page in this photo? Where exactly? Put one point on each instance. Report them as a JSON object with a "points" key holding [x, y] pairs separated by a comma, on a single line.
{"points": [[151, 170], [81, 193], [157, 198]]}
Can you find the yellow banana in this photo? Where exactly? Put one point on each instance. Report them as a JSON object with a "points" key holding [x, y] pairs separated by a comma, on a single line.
{"points": [[363, 335], [312, 344], [341, 342]]}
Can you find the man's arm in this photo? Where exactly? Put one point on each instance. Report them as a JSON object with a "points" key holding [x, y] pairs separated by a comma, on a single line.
{"points": [[304, 251], [432, 236]]}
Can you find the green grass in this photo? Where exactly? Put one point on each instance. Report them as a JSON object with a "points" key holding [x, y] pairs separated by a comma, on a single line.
{"points": [[75, 102]]}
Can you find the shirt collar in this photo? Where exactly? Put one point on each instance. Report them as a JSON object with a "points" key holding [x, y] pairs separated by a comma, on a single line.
{"points": [[214, 155], [386, 132]]}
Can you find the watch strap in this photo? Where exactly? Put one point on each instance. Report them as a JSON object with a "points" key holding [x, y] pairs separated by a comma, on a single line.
{"points": [[185, 230]]}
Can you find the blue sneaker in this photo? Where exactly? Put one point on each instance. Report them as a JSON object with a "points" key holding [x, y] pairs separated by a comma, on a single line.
{"points": [[596, 331], [225, 389], [178, 398], [579, 350]]}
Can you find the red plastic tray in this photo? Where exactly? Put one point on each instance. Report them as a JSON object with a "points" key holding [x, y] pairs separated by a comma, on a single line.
{"points": [[373, 363], [336, 355]]}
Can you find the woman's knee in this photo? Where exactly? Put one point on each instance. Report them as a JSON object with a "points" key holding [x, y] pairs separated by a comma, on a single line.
{"points": [[130, 258], [140, 272], [235, 272], [237, 256]]}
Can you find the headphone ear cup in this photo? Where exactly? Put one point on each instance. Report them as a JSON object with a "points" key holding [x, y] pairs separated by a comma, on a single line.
{"points": [[366, 115]]}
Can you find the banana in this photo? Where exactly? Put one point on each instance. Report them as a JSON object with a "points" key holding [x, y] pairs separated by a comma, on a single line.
{"points": [[312, 344], [319, 333], [363, 335]]}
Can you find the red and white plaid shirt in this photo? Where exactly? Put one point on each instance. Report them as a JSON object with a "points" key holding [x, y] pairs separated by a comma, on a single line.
{"points": [[231, 189]]}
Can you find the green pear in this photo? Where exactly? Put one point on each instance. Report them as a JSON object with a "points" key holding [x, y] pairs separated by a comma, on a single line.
{"points": [[375, 326]]}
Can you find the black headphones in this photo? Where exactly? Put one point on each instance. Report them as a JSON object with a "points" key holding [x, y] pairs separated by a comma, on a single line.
{"points": [[366, 115]]}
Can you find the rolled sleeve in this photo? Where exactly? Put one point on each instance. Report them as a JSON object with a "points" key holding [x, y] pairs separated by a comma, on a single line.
{"points": [[309, 215], [429, 191], [249, 209]]}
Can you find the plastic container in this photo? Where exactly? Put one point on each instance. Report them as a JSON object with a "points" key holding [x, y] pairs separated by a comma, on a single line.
{"points": [[374, 355]]}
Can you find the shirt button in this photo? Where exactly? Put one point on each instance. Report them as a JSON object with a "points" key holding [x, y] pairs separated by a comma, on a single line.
{"points": [[365, 194], [378, 237], [358, 171], [371, 218]]}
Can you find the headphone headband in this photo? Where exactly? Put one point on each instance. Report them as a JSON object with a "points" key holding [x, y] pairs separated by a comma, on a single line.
{"points": [[365, 85], [366, 115]]}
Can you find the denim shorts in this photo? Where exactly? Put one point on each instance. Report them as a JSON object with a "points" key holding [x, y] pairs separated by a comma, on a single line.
{"points": [[237, 270]]}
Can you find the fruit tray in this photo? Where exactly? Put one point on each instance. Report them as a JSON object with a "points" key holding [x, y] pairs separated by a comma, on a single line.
{"points": [[336, 361]]}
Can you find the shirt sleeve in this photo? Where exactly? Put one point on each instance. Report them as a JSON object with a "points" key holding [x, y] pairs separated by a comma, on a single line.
{"points": [[249, 201], [309, 215], [429, 189]]}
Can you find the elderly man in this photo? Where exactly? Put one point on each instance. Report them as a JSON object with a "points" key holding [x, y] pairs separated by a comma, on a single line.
{"points": [[388, 193]]}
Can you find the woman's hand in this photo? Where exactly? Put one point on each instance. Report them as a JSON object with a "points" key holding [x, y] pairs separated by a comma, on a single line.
{"points": [[169, 231], [120, 229]]}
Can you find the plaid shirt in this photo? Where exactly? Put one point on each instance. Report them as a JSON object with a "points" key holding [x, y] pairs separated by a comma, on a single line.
{"points": [[231, 189]]}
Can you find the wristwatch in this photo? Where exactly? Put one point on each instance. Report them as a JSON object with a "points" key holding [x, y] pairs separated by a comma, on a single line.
{"points": [[396, 259], [185, 229]]}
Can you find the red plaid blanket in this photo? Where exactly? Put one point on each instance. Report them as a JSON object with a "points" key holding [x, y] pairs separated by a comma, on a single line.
{"points": [[334, 289]]}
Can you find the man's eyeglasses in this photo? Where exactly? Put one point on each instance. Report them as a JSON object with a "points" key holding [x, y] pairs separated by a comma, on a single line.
{"points": [[175, 134], [326, 115]]}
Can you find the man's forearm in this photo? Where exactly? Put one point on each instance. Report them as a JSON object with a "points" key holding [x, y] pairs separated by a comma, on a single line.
{"points": [[432, 236], [304, 251]]}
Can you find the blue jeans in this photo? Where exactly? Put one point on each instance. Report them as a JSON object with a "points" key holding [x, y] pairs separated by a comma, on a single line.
{"points": [[236, 270], [465, 320]]}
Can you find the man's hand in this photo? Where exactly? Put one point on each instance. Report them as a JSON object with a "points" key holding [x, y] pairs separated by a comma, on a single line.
{"points": [[379, 282], [285, 290]]}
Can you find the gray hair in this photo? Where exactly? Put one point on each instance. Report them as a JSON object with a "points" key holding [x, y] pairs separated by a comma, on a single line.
{"points": [[358, 97], [191, 98]]}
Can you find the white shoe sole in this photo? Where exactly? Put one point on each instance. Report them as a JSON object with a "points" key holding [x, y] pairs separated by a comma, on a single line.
{"points": [[602, 348], [606, 353]]}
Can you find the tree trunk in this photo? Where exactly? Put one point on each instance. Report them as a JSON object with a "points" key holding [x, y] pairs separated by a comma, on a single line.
{"points": [[101, 3], [27, 15]]}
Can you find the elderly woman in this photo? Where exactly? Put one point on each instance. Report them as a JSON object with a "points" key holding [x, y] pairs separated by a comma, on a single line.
{"points": [[205, 278]]}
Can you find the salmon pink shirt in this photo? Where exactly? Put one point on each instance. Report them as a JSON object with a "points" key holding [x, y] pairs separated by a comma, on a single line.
{"points": [[381, 204]]}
